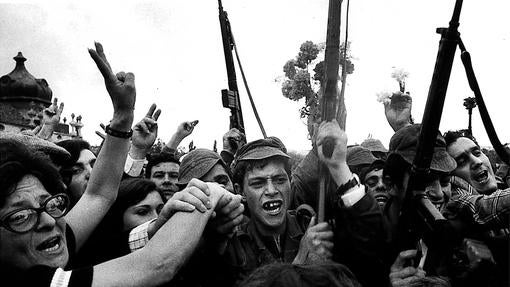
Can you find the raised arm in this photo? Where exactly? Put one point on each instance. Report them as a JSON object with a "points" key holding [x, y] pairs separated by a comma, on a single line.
{"points": [[104, 181], [183, 130]]}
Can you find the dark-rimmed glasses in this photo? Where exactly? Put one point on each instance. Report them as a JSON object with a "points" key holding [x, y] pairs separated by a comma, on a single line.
{"points": [[26, 219]]}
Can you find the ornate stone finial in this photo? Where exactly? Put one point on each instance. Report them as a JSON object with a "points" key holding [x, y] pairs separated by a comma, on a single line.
{"points": [[20, 60], [21, 86]]}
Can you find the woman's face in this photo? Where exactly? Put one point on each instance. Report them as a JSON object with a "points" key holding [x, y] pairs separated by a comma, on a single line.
{"points": [[143, 211], [45, 244]]}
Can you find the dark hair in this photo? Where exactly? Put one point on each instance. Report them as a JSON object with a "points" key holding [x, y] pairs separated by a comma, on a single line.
{"points": [[131, 192], [244, 166], [293, 275], [74, 147], [16, 161], [451, 136], [376, 165], [157, 158]]}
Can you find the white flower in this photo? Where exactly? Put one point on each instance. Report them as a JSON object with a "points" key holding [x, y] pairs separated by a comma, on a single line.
{"points": [[384, 97]]}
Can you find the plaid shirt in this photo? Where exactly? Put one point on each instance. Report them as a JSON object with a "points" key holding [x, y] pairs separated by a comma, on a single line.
{"points": [[490, 211], [138, 237]]}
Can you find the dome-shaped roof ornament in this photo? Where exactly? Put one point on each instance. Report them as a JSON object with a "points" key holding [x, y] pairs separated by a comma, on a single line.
{"points": [[20, 86]]}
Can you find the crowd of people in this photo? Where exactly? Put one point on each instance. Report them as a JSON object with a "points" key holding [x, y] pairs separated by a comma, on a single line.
{"points": [[242, 217]]}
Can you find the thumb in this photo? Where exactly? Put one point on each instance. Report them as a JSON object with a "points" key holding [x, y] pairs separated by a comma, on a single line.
{"points": [[312, 222]]}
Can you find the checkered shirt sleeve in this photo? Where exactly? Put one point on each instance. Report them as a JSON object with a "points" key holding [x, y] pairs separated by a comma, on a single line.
{"points": [[138, 237], [492, 211]]}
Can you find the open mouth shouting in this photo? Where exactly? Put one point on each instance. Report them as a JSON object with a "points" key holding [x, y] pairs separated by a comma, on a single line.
{"points": [[273, 207], [51, 246], [381, 198], [481, 177]]}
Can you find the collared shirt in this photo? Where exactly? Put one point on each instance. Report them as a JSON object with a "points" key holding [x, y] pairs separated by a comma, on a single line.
{"points": [[248, 249], [489, 211]]}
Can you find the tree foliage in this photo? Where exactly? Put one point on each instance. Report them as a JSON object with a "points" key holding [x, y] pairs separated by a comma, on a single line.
{"points": [[304, 75]]}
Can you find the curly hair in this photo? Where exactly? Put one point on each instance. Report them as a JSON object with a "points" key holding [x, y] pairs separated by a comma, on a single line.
{"points": [[16, 161]]}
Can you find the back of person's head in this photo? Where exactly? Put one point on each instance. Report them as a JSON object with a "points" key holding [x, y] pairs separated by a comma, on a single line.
{"points": [[157, 158], [16, 161], [74, 147], [293, 275], [257, 154]]}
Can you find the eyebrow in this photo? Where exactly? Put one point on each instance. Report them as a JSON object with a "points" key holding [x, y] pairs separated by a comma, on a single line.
{"points": [[24, 202]]}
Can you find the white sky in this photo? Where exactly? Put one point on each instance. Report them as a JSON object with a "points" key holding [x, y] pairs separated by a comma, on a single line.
{"points": [[174, 49]]}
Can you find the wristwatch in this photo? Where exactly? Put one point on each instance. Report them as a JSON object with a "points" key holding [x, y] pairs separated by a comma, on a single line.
{"points": [[353, 182]]}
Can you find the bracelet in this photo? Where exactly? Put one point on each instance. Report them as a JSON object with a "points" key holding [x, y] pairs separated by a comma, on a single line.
{"points": [[118, 134], [342, 189]]}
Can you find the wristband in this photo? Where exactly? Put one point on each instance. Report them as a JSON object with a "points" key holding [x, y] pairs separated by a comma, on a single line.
{"points": [[353, 182], [118, 134]]}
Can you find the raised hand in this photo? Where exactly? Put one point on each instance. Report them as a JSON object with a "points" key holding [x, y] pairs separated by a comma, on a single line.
{"points": [[233, 140], [51, 115], [186, 128], [51, 118], [398, 110], [120, 87], [145, 131]]}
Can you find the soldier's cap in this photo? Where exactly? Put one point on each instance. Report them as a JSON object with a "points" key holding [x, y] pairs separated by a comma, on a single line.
{"points": [[358, 155], [260, 149], [374, 145], [198, 163], [404, 144]]}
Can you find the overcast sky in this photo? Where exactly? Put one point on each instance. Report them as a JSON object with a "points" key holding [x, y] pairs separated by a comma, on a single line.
{"points": [[174, 48]]}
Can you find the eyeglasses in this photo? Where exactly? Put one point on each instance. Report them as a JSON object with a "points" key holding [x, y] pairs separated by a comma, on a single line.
{"points": [[26, 219]]}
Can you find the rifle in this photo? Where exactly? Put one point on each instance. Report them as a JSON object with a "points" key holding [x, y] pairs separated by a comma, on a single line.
{"points": [[230, 97], [422, 218], [329, 101]]}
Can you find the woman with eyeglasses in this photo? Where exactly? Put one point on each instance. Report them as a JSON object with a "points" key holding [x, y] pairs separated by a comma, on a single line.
{"points": [[39, 235]]}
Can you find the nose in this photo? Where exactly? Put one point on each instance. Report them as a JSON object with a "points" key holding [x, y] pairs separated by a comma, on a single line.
{"points": [[46, 221], [380, 185], [476, 162], [271, 190], [166, 178], [434, 191], [88, 171]]}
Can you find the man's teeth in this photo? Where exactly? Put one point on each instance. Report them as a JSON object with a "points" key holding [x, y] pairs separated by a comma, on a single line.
{"points": [[272, 206]]}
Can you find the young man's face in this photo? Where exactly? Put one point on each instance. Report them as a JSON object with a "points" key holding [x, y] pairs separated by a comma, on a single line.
{"points": [[473, 165], [219, 175], [267, 191], [378, 186], [165, 175], [81, 171]]}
